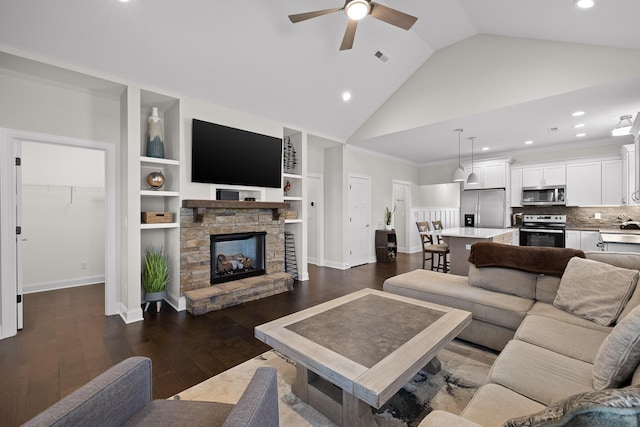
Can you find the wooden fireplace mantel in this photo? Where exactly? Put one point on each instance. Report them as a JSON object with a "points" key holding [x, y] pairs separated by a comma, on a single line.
{"points": [[200, 206]]}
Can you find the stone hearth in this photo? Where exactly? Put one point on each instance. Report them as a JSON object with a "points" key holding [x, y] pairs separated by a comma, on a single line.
{"points": [[199, 219]]}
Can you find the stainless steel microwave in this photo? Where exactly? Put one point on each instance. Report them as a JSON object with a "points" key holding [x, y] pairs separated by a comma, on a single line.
{"points": [[552, 195]]}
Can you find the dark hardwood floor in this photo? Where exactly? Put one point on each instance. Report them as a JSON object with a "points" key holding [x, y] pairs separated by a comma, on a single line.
{"points": [[67, 339]]}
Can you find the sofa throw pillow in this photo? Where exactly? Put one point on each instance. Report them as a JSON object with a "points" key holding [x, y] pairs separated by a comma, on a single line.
{"points": [[508, 281], [617, 407], [619, 354], [594, 290]]}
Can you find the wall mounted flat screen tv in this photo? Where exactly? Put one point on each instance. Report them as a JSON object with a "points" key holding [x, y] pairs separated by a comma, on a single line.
{"points": [[225, 155]]}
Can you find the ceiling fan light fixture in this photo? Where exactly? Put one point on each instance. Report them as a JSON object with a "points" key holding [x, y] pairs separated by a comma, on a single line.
{"points": [[623, 127], [357, 9]]}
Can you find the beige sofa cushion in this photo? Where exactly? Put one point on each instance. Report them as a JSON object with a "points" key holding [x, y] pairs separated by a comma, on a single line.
{"points": [[454, 291], [595, 290], [625, 260], [493, 404], [565, 338], [547, 288], [540, 374], [548, 310], [506, 280], [619, 354]]}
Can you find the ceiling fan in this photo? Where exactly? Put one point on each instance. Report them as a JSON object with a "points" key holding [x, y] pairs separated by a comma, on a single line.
{"points": [[356, 10]]}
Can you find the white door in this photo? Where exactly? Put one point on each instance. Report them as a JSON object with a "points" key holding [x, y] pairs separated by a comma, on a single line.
{"points": [[315, 220], [18, 193], [360, 242]]}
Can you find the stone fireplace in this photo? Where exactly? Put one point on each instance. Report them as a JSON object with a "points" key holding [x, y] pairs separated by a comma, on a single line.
{"points": [[236, 234]]}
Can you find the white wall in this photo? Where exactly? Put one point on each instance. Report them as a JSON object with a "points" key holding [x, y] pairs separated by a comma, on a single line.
{"points": [[62, 216], [439, 196]]}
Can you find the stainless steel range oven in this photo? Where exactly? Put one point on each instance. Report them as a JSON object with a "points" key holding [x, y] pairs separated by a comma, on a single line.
{"points": [[543, 230]]}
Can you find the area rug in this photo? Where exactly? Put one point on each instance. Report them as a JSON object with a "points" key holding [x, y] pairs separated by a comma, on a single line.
{"points": [[464, 369]]}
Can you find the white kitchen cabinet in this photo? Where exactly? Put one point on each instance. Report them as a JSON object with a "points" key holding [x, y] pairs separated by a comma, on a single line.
{"points": [[584, 184], [628, 174], [589, 240], [543, 175], [516, 188], [585, 240], [490, 175], [612, 183], [572, 239]]}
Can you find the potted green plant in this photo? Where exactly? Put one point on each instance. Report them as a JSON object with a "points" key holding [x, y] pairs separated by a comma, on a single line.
{"points": [[155, 274], [388, 216]]}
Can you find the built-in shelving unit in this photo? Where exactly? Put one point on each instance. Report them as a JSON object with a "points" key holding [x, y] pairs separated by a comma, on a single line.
{"points": [[167, 198], [293, 179]]}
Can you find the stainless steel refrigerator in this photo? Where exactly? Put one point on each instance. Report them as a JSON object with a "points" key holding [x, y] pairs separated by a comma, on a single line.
{"points": [[487, 206]]}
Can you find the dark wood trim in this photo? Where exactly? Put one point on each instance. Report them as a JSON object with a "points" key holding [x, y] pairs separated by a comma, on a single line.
{"points": [[200, 206]]}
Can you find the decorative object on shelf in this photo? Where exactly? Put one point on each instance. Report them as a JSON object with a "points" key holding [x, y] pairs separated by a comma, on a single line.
{"points": [[155, 143], [289, 161], [388, 216], [290, 263], [155, 276], [290, 214], [155, 180], [157, 217], [287, 188]]}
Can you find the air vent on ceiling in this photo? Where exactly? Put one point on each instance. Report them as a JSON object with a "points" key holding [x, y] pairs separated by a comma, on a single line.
{"points": [[553, 130], [381, 56]]}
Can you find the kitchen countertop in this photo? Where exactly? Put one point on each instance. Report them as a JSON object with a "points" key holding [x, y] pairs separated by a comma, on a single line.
{"points": [[473, 232]]}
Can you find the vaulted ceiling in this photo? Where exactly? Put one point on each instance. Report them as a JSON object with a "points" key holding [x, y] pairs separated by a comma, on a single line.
{"points": [[502, 69]]}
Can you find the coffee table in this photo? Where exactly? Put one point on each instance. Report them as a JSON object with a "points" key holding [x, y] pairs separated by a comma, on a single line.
{"points": [[355, 352]]}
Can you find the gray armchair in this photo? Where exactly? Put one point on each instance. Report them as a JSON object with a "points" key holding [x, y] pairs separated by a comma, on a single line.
{"points": [[121, 396]]}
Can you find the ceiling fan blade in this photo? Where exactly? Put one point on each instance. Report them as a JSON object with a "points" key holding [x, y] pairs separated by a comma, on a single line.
{"points": [[349, 35], [308, 15], [392, 16]]}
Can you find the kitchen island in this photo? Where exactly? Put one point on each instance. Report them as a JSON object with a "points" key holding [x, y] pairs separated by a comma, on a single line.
{"points": [[460, 241]]}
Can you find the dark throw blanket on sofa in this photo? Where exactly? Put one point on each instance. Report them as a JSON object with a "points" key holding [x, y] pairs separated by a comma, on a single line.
{"points": [[532, 259]]}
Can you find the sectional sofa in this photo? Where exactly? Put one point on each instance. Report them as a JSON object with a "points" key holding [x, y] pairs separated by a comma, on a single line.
{"points": [[566, 323]]}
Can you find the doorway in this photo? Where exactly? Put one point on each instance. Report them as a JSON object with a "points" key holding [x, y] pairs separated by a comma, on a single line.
{"points": [[11, 195], [315, 219], [360, 233], [402, 205]]}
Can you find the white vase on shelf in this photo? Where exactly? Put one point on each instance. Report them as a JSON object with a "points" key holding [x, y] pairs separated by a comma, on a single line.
{"points": [[155, 142]]}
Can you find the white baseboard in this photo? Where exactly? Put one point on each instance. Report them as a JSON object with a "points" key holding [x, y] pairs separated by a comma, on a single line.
{"points": [[61, 284], [303, 277], [337, 265], [130, 316], [179, 304]]}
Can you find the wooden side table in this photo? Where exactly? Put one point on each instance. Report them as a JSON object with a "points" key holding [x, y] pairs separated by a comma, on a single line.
{"points": [[386, 246]]}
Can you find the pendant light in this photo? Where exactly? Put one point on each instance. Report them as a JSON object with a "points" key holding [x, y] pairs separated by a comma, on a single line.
{"points": [[458, 176], [473, 178]]}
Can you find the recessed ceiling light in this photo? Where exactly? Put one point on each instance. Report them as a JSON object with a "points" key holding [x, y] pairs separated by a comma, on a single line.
{"points": [[346, 96], [580, 135], [485, 148], [528, 142], [579, 125], [124, 1], [585, 4], [578, 114]]}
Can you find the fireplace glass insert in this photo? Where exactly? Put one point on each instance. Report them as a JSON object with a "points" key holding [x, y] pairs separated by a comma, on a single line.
{"points": [[238, 255]]}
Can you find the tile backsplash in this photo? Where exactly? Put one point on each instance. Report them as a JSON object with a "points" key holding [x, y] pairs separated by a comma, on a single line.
{"points": [[584, 217]]}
